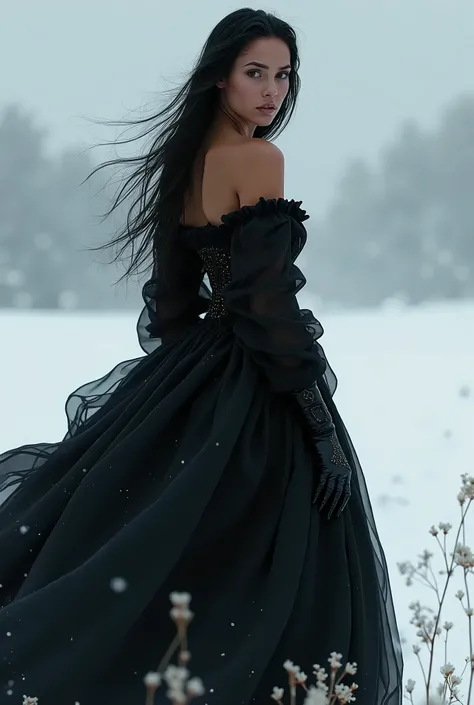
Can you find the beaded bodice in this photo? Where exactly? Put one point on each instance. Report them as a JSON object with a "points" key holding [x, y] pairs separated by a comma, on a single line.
{"points": [[213, 244], [216, 261]]}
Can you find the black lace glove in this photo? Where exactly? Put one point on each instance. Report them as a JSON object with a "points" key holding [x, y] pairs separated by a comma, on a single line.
{"points": [[335, 477]]}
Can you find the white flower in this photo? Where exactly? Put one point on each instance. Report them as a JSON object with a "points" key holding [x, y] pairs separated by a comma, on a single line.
{"points": [[463, 556], [180, 599], [344, 693], [320, 673], [434, 531], [290, 667], [459, 594], [176, 675], [469, 611], [29, 701], [177, 696], [181, 614], [315, 696], [456, 680], [423, 634], [351, 668], [447, 669], [461, 498], [152, 679], [425, 557], [277, 694], [444, 526], [416, 649], [195, 687], [448, 626], [335, 659], [301, 677], [410, 686], [468, 486]]}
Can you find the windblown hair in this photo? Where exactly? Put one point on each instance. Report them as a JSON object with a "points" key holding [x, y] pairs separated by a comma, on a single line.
{"points": [[161, 177]]}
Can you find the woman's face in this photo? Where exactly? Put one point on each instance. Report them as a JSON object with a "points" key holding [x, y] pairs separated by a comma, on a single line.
{"points": [[258, 82]]}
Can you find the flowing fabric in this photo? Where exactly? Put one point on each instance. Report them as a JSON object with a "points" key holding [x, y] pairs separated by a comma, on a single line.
{"points": [[190, 469]]}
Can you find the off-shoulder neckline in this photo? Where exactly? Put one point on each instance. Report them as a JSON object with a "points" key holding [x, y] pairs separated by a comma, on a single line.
{"points": [[264, 207]]}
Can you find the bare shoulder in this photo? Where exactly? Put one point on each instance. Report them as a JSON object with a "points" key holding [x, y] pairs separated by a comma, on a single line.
{"points": [[240, 173], [255, 149], [239, 156], [259, 172]]}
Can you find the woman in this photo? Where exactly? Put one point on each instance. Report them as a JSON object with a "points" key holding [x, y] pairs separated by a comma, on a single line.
{"points": [[217, 463]]}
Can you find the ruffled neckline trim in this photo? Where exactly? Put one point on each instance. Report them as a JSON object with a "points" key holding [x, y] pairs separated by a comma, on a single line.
{"points": [[264, 207]]}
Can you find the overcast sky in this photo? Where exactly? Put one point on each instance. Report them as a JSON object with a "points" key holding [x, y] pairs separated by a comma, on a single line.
{"points": [[366, 65]]}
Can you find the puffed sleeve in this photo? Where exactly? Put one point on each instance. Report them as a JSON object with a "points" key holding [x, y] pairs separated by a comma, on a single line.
{"points": [[261, 299], [174, 297]]}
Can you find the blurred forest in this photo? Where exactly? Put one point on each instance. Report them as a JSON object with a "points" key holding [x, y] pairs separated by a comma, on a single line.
{"points": [[401, 229]]}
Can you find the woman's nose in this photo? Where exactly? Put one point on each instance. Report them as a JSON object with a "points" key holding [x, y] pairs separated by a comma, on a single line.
{"points": [[271, 89]]}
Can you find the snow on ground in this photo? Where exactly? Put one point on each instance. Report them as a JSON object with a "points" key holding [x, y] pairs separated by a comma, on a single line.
{"points": [[406, 393]]}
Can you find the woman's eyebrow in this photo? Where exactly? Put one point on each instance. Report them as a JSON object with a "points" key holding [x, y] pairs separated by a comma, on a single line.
{"points": [[264, 66]]}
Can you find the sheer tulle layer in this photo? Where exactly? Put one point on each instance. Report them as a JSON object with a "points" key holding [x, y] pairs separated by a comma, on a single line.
{"points": [[165, 486], [189, 470]]}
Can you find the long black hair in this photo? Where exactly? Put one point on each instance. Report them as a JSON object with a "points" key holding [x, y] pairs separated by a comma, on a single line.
{"points": [[162, 175]]}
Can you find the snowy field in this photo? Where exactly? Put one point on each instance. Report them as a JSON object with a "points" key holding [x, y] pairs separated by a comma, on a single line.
{"points": [[406, 393]]}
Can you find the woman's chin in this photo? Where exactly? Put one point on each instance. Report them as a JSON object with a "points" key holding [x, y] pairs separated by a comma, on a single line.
{"points": [[263, 120]]}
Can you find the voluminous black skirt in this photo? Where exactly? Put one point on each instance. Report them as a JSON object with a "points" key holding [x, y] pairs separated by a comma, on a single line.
{"points": [[183, 471]]}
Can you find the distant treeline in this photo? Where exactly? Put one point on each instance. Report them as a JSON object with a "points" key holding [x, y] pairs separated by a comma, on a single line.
{"points": [[403, 228]]}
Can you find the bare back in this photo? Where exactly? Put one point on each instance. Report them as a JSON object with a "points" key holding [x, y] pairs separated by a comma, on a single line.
{"points": [[213, 187], [230, 175]]}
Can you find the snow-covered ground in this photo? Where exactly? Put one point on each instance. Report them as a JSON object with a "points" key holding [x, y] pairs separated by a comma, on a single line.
{"points": [[406, 392]]}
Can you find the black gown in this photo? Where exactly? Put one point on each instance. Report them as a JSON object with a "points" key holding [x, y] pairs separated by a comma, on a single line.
{"points": [[190, 469]]}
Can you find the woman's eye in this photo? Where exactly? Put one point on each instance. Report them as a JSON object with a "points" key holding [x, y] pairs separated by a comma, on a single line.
{"points": [[255, 73]]}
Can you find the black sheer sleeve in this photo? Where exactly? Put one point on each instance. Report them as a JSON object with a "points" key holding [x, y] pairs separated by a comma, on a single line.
{"points": [[174, 297], [261, 298]]}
